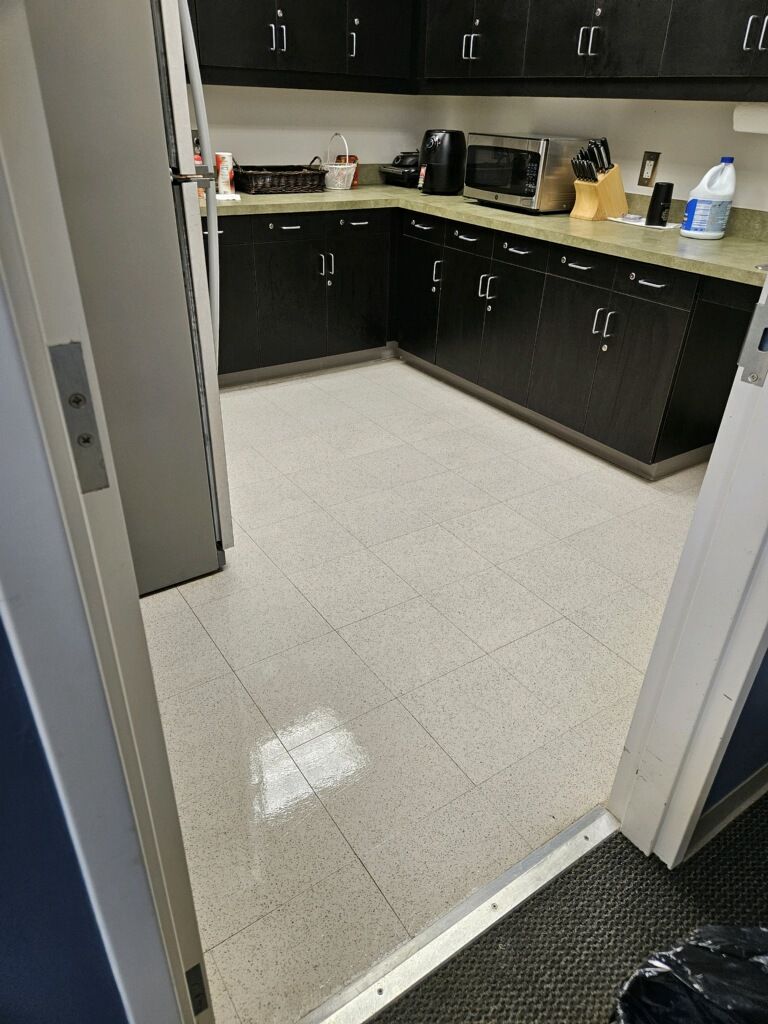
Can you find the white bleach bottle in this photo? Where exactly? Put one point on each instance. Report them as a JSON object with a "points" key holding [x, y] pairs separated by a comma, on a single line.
{"points": [[709, 206]]}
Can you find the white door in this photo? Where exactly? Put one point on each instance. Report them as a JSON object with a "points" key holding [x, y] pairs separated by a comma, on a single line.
{"points": [[67, 586]]}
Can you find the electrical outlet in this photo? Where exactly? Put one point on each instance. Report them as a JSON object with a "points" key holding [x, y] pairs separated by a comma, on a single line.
{"points": [[648, 169]]}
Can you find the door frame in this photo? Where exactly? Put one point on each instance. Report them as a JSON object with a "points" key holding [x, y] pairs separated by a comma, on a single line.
{"points": [[65, 563], [713, 634]]}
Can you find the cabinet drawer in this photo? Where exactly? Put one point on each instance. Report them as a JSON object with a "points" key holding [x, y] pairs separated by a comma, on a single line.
{"points": [[419, 225], [531, 253], [358, 222], [659, 284], [468, 238], [233, 230], [582, 265], [288, 227], [729, 293]]}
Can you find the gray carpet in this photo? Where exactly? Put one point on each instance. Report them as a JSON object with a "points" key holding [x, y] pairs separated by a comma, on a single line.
{"points": [[561, 957]]}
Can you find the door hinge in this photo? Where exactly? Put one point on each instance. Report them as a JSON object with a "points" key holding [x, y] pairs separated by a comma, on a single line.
{"points": [[754, 353], [79, 415], [197, 993]]}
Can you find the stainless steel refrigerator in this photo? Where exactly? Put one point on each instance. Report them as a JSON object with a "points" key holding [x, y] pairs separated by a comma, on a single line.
{"points": [[113, 82]]}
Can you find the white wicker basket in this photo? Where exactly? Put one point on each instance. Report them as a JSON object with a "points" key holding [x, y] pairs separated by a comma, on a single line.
{"points": [[338, 176]]}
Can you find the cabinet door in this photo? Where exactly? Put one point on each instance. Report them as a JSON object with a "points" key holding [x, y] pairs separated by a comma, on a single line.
{"points": [[292, 301], [708, 38], [420, 265], [628, 38], [311, 36], [358, 275], [462, 313], [449, 26], [566, 351], [238, 322], [380, 38], [635, 369], [509, 334], [498, 49], [558, 38], [238, 34]]}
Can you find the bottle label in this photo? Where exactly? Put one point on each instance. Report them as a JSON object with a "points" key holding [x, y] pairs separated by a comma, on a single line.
{"points": [[706, 215]]}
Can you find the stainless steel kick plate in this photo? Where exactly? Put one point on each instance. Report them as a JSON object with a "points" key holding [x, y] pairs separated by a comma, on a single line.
{"points": [[79, 416]]}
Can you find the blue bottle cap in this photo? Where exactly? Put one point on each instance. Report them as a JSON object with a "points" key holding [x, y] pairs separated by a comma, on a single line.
{"points": [[726, 160]]}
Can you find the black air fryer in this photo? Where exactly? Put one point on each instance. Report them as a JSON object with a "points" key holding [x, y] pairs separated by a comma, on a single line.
{"points": [[442, 159]]}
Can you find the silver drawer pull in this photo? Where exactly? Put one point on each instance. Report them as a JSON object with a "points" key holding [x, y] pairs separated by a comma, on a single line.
{"points": [[492, 277], [332, 271], [579, 48], [579, 266], [760, 46], [422, 227], [595, 328], [745, 45], [517, 252], [466, 238], [590, 51], [322, 264], [464, 42], [480, 292], [290, 227], [650, 284], [219, 232], [435, 278], [273, 47], [359, 223], [606, 335]]}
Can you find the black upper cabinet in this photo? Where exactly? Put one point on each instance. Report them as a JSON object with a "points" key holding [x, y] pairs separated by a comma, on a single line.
{"points": [[635, 369], [380, 38], [573, 318], [311, 36], [627, 38], [358, 296], [558, 38], [450, 24], [465, 279], [420, 265], [708, 38], [238, 34], [509, 333], [291, 284]]}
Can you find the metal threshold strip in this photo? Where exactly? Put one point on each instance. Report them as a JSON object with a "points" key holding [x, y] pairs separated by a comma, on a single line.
{"points": [[417, 959]]}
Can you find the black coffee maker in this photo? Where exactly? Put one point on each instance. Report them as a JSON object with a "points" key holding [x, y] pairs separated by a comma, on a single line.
{"points": [[442, 159]]}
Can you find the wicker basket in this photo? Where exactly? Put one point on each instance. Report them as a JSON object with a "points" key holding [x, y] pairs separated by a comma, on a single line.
{"points": [[338, 175], [256, 181]]}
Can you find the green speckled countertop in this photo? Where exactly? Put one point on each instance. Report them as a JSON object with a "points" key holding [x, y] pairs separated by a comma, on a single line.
{"points": [[734, 258]]}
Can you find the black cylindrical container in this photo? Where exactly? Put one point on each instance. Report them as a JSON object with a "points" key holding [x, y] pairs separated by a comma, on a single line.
{"points": [[442, 158], [661, 200]]}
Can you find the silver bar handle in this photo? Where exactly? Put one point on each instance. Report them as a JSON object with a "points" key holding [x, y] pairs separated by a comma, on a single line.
{"points": [[290, 227], [466, 238], [359, 223], [595, 328], [491, 277], [218, 232], [753, 18], [332, 271], [464, 47], [578, 266], [590, 51], [354, 44], [760, 46], [517, 252], [606, 335], [284, 30], [322, 264], [472, 39], [273, 47], [651, 284], [579, 48], [480, 292], [435, 278], [423, 227]]}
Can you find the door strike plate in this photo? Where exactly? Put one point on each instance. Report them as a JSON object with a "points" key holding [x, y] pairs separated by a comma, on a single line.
{"points": [[754, 353], [79, 415]]}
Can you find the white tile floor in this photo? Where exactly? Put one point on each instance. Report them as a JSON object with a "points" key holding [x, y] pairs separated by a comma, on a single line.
{"points": [[419, 665]]}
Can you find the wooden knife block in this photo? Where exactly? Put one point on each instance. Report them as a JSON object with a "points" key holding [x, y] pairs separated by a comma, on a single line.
{"points": [[602, 199]]}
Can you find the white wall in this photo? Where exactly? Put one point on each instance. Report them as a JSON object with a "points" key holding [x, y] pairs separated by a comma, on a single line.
{"points": [[291, 125]]}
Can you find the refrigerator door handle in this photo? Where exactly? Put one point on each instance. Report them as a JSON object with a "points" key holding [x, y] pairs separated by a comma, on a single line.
{"points": [[201, 119]]}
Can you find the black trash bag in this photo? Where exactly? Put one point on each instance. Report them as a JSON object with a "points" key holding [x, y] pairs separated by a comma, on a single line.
{"points": [[719, 976]]}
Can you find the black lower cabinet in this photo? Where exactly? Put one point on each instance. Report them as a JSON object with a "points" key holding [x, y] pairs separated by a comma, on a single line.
{"points": [[358, 296], [462, 312], [509, 334], [567, 346], [636, 366], [238, 316], [418, 296], [291, 291]]}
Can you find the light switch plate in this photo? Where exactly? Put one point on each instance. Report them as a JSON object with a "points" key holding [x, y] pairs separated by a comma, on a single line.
{"points": [[648, 169]]}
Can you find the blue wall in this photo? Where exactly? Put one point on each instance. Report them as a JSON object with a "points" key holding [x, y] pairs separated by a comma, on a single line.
{"points": [[748, 749], [53, 967]]}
